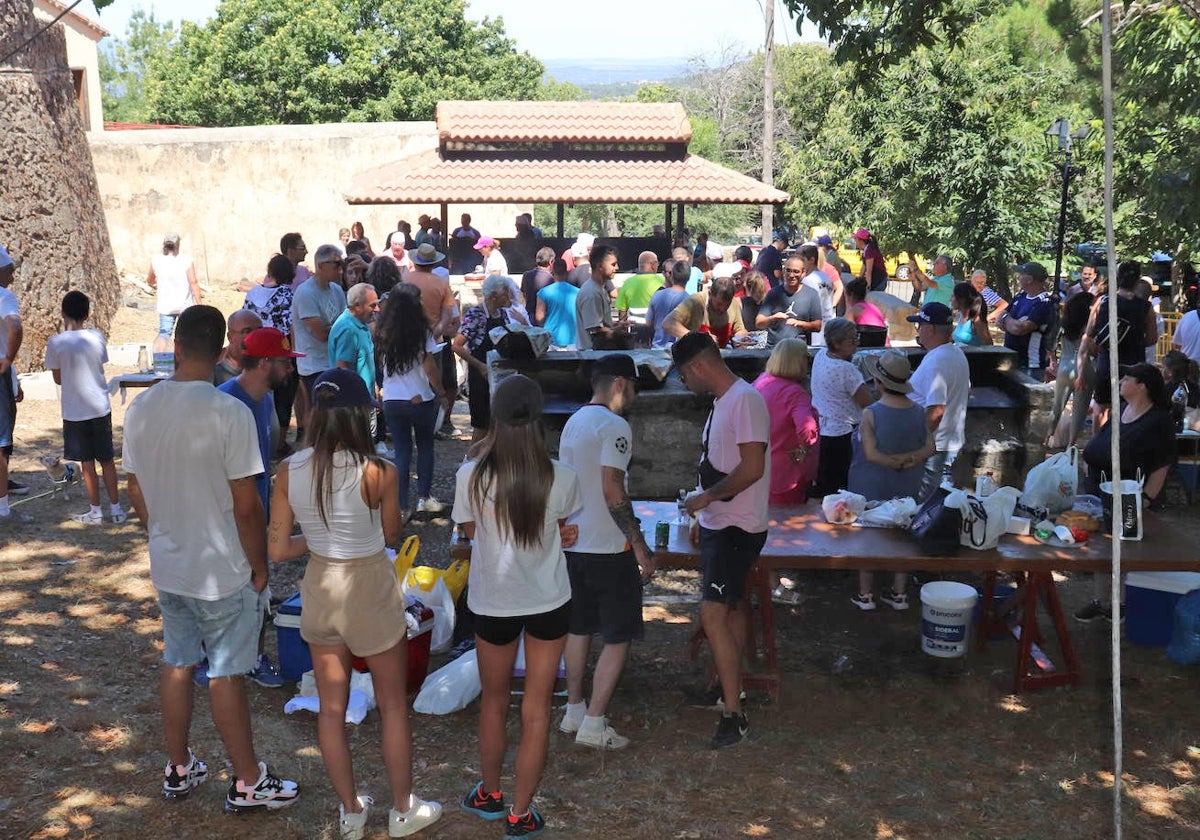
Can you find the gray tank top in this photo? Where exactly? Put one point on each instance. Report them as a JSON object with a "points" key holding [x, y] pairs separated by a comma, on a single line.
{"points": [[896, 430]]}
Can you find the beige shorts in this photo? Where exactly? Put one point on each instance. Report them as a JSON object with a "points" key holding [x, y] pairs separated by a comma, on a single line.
{"points": [[356, 603]]}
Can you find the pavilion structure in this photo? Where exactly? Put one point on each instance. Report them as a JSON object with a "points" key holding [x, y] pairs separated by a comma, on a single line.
{"points": [[561, 153]]}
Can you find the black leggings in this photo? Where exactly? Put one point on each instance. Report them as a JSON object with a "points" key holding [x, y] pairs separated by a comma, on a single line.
{"points": [[833, 466], [285, 395]]}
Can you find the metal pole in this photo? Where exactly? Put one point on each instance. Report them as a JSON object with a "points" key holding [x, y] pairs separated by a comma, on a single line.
{"points": [[1062, 223], [768, 149], [1114, 421]]}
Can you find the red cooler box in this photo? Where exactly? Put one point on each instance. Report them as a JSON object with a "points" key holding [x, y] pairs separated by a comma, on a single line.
{"points": [[295, 659]]}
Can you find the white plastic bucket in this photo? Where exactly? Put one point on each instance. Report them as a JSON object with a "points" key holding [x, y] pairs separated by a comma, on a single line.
{"points": [[946, 610]]}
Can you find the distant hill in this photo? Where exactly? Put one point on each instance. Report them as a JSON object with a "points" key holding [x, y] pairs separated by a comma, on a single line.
{"points": [[614, 77]]}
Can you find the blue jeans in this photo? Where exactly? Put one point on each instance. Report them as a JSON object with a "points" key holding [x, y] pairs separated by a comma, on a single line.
{"points": [[406, 419], [166, 324]]}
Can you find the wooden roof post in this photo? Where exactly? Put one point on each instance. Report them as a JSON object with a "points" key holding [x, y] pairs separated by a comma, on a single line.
{"points": [[559, 215]]}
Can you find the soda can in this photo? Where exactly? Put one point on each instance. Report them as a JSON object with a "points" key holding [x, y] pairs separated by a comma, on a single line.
{"points": [[662, 534]]}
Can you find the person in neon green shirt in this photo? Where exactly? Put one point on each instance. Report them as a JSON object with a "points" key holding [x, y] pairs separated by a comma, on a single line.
{"points": [[636, 291]]}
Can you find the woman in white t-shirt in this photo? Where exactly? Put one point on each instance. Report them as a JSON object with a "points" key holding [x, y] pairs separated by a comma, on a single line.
{"points": [[412, 389], [174, 276], [513, 501], [839, 395], [344, 498]]}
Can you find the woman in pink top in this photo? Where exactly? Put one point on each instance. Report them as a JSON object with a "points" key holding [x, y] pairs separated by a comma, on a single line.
{"points": [[794, 428], [863, 312], [795, 434]]}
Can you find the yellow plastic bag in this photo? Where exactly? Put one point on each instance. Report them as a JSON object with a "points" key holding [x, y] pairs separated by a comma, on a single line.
{"points": [[455, 576], [406, 555]]}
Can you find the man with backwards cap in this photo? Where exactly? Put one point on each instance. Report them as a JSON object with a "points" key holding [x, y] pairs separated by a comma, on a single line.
{"points": [[940, 384], [610, 558], [731, 509]]}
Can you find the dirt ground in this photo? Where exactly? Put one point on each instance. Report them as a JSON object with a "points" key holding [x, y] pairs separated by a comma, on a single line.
{"points": [[885, 743]]}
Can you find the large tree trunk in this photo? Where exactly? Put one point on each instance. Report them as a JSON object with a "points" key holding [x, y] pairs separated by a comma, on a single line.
{"points": [[51, 217]]}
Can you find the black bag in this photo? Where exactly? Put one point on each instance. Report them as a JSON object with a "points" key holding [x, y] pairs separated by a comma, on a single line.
{"points": [[936, 527], [516, 345], [706, 473]]}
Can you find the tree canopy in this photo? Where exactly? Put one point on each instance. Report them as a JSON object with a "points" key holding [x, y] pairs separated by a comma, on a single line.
{"points": [[314, 61], [125, 65]]}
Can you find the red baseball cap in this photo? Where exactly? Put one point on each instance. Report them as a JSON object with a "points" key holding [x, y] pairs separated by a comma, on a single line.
{"points": [[269, 343]]}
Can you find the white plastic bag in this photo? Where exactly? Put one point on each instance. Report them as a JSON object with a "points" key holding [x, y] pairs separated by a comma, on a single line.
{"points": [[894, 513], [843, 507], [450, 688], [984, 520], [441, 602], [1052, 483]]}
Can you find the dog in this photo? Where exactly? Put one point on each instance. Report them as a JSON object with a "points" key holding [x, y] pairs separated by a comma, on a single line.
{"points": [[62, 474]]}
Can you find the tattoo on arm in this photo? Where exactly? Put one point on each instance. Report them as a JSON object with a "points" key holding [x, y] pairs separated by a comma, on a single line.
{"points": [[630, 525]]}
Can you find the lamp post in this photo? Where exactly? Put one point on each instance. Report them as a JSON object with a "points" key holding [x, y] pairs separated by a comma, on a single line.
{"points": [[1060, 138]]}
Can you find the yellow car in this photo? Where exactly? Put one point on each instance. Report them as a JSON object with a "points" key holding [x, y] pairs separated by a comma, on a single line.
{"points": [[896, 264]]}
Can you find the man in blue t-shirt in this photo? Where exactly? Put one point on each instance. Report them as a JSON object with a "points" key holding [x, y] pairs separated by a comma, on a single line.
{"points": [[265, 352], [664, 301], [556, 310], [1029, 318], [770, 260]]}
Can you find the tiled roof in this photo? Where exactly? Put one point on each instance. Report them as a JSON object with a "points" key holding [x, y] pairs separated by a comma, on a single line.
{"points": [[602, 122], [52, 8], [427, 179]]}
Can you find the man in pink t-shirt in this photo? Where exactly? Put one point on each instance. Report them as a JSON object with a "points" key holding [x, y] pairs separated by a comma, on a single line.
{"points": [[731, 509]]}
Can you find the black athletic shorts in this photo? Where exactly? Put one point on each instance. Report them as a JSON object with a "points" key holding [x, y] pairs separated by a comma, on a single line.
{"points": [[726, 556], [504, 629], [606, 596], [88, 440]]}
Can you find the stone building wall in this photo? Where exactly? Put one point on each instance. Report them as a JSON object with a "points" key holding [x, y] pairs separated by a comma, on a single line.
{"points": [[232, 192], [51, 218]]}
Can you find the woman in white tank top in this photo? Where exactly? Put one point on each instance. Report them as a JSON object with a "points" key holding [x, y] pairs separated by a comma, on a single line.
{"points": [[346, 501]]}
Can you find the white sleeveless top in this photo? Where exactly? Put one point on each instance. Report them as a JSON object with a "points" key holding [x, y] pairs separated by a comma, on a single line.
{"points": [[170, 273], [354, 530]]}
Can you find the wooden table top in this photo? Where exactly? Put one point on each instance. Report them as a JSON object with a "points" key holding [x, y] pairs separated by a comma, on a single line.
{"points": [[799, 537]]}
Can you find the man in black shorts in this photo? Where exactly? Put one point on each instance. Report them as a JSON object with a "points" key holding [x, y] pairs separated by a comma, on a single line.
{"points": [[610, 557], [731, 510]]}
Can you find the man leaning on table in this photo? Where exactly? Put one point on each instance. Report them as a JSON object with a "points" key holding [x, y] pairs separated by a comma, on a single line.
{"points": [[731, 511]]}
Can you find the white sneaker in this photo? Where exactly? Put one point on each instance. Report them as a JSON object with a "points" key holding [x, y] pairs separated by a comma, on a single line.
{"points": [[88, 518], [572, 718], [606, 739], [118, 518], [429, 504], [419, 815], [354, 826]]}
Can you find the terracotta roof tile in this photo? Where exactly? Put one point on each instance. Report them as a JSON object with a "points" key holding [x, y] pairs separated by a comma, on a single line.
{"points": [[611, 122], [425, 179]]}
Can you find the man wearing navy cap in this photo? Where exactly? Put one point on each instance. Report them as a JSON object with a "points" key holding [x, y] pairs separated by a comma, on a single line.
{"points": [[940, 384], [1027, 322], [610, 557]]}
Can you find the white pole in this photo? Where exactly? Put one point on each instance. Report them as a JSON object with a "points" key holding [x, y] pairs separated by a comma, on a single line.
{"points": [[768, 150], [1114, 418]]}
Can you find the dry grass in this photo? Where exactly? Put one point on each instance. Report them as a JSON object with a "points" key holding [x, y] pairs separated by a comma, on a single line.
{"points": [[895, 746]]}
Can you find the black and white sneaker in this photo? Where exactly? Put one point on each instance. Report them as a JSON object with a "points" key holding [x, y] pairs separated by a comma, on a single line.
{"points": [[270, 792], [731, 729], [16, 488], [179, 779]]}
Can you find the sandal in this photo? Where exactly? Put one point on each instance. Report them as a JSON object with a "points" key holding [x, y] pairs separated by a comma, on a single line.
{"points": [[785, 596]]}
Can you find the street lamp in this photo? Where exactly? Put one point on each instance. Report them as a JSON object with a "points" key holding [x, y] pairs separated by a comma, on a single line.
{"points": [[1060, 138]]}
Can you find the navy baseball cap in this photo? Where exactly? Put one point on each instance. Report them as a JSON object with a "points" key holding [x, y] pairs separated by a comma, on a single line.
{"points": [[938, 314]]}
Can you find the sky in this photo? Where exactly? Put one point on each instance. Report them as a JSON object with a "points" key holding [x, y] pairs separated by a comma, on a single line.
{"points": [[630, 29]]}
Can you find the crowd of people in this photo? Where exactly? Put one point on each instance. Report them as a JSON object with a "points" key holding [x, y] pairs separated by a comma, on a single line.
{"points": [[365, 343]]}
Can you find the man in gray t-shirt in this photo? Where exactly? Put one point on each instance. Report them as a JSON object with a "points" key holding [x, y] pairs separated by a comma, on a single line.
{"points": [[790, 310], [594, 323], [316, 304]]}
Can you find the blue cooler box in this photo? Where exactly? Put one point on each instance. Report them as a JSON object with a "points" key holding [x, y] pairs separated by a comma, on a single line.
{"points": [[1150, 599], [294, 656]]}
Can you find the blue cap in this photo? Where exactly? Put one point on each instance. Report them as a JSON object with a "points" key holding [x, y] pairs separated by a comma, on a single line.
{"points": [[938, 314]]}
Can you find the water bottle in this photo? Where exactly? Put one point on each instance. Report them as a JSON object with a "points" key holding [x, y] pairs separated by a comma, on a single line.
{"points": [[1179, 407], [143, 361], [947, 479], [681, 506]]}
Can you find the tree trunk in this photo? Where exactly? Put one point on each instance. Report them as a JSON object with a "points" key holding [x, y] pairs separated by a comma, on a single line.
{"points": [[51, 216]]}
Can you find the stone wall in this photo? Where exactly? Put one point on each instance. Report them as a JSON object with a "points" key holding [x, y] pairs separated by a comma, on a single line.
{"points": [[232, 192], [51, 218]]}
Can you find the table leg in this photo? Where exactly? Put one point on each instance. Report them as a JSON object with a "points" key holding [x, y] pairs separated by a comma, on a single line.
{"points": [[760, 618], [1039, 588]]}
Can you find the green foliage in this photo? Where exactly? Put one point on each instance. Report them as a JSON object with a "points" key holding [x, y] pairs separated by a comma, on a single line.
{"points": [[314, 61], [124, 68]]}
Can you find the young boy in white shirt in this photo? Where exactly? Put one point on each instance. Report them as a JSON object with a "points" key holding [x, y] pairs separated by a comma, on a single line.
{"points": [[76, 358]]}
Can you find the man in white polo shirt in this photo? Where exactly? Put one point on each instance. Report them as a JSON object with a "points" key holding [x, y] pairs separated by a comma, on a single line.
{"points": [[941, 384]]}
